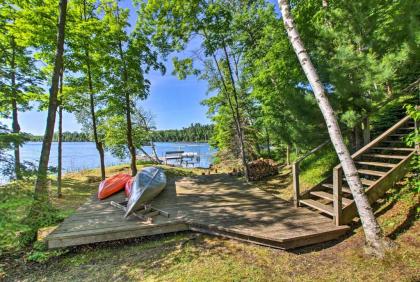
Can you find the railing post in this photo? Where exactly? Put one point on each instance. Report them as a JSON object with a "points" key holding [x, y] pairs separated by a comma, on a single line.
{"points": [[295, 172], [337, 194]]}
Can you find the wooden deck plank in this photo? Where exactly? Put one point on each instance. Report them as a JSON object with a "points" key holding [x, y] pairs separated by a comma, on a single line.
{"points": [[213, 204]]}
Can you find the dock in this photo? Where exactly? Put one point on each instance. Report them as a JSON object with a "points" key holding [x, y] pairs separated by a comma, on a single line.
{"points": [[220, 205]]}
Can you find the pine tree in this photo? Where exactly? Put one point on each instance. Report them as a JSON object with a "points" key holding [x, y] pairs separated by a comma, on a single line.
{"points": [[375, 240]]}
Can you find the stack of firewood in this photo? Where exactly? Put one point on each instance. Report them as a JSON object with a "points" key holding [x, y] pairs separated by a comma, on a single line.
{"points": [[262, 168]]}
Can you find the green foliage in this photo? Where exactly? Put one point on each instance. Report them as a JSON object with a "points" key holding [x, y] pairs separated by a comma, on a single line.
{"points": [[414, 137], [196, 132], [41, 254], [14, 200], [19, 77], [317, 166], [67, 136], [364, 50], [16, 230]]}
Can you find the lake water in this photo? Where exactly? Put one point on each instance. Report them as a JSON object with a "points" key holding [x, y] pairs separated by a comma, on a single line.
{"points": [[83, 155]]}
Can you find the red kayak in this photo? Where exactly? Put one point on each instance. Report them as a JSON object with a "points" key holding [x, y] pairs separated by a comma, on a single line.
{"points": [[112, 185], [128, 186]]}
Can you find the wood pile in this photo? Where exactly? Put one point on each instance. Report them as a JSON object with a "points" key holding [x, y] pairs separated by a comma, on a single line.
{"points": [[262, 168]]}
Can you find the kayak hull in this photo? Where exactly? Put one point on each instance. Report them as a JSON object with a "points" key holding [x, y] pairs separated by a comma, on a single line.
{"points": [[147, 184], [127, 187], [112, 185]]}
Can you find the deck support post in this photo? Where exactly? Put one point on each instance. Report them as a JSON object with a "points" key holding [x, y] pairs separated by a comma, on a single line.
{"points": [[296, 188], [337, 194]]}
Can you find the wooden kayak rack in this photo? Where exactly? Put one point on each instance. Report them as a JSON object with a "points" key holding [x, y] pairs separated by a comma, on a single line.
{"points": [[147, 213]]}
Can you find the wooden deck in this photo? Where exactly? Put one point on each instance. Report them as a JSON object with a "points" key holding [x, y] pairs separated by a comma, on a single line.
{"points": [[215, 204]]}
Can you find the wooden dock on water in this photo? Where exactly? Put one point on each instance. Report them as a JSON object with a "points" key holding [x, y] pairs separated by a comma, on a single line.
{"points": [[213, 204]]}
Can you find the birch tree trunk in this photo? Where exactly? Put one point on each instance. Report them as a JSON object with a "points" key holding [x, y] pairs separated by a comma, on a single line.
{"points": [[41, 191], [376, 243]]}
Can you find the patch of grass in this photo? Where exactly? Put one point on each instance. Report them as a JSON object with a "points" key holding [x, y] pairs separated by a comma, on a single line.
{"points": [[317, 167], [16, 199]]}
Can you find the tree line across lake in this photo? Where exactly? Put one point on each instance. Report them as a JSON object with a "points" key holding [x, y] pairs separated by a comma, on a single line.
{"points": [[194, 133]]}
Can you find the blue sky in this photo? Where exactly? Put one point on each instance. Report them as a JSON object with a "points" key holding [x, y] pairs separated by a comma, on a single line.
{"points": [[174, 103]]}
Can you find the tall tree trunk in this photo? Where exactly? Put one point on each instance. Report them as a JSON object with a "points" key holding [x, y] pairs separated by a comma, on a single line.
{"points": [[60, 138], [358, 137], [41, 190], [240, 129], [129, 129], [15, 121], [98, 143], [352, 139], [376, 243], [234, 108], [267, 134], [366, 131], [60, 150], [288, 148]]}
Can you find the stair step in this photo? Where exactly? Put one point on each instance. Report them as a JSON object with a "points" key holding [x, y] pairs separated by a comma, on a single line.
{"points": [[382, 156], [392, 149], [377, 164], [398, 135], [371, 172], [392, 141], [317, 205], [329, 196], [406, 128], [367, 182], [343, 188]]}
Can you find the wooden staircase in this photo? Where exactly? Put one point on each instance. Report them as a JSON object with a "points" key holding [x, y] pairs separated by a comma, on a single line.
{"points": [[380, 164]]}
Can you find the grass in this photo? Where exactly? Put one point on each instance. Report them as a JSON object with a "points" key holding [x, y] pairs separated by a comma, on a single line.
{"points": [[195, 257], [313, 170]]}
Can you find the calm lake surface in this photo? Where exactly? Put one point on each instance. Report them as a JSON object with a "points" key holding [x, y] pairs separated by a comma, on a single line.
{"points": [[83, 155]]}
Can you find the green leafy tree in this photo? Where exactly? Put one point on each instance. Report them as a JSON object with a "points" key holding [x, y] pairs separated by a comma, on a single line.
{"points": [[86, 51], [20, 79], [129, 58], [222, 27], [41, 193], [376, 242], [371, 50]]}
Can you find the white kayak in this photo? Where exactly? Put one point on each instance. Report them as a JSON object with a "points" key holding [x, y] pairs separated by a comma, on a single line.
{"points": [[148, 183]]}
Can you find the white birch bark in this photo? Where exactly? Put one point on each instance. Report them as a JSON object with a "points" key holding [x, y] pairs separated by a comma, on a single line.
{"points": [[375, 241]]}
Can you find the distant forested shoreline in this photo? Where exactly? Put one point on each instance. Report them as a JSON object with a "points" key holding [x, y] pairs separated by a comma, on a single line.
{"points": [[194, 133]]}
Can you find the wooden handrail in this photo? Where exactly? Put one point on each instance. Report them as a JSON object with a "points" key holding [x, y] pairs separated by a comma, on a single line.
{"points": [[312, 151], [295, 165], [378, 139], [296, 171], [338, 170]]}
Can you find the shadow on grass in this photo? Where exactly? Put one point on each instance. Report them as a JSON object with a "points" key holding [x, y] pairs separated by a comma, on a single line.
{"points": [[411, 217]]}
